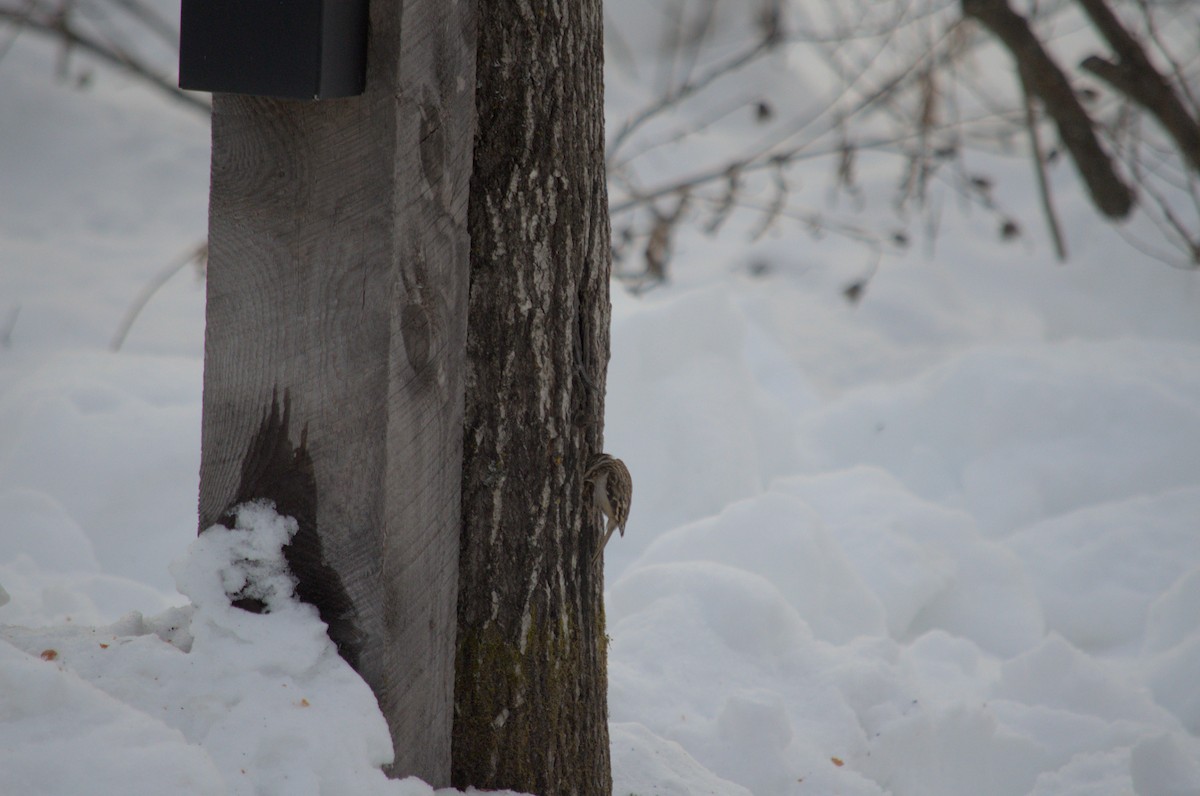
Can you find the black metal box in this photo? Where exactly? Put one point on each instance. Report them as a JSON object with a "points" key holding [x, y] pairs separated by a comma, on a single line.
{"points": [[302, 49]]}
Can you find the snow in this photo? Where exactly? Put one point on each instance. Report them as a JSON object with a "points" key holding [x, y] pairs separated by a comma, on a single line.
{"points": [[940, 542], [202, 699]]}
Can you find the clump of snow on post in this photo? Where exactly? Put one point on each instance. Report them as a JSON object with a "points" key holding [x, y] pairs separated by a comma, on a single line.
{"points": [[245, 561]]}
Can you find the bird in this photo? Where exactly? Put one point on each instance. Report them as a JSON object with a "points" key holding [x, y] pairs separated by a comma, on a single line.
{"points": [[612, 491]]}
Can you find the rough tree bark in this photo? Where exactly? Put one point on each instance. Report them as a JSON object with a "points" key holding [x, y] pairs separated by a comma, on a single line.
{"points": [[336, 324], [531, 710]]}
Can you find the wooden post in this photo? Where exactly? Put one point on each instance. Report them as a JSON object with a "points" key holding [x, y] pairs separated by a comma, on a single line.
{"points": [[334, 350]]}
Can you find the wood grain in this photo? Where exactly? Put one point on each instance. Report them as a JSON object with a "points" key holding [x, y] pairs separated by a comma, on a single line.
{"points": [[337, 294]]}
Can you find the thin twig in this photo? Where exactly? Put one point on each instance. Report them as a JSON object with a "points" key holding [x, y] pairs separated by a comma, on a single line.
{"points": [[155, 22], [758, 161], [1046, 79], [1181, 80], [1039, 168], [59, 27], [681, 93], [16, 28], [10, 323], [691, 47], [195, 256], [1133, 75]]}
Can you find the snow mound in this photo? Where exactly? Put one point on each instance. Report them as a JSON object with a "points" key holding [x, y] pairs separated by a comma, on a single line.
{"points": [[199, 700], [1015, 434]]}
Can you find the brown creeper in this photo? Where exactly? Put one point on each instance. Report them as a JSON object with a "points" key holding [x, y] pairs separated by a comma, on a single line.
{"points": [[612, 491]]}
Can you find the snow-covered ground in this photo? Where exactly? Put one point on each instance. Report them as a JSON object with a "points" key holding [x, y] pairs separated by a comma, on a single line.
{"points": [[945, 541]]}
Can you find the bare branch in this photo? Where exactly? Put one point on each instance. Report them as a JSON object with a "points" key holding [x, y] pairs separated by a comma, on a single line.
{"points": [[778, 204], [1046, 81], [197, 256], [755, 162], [685, 90], [10, 323], [153, 21], [1133, 75], [59, 26], [16, 28], [732, 188], [1037, 153], [1181, 81]]}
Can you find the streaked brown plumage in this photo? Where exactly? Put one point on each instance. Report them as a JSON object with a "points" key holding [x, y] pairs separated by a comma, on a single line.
{"points": [[612, 492]]}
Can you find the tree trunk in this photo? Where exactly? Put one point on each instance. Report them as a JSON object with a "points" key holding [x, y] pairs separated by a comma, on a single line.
{"points": [[531, 684], [334, 351]]}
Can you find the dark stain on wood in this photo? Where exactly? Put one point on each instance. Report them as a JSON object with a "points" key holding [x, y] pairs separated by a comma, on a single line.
{"points": [[416, 329], [275, 469]]}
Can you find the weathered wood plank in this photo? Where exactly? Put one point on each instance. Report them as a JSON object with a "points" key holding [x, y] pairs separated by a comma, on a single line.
{"points": [[336, 323]]}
